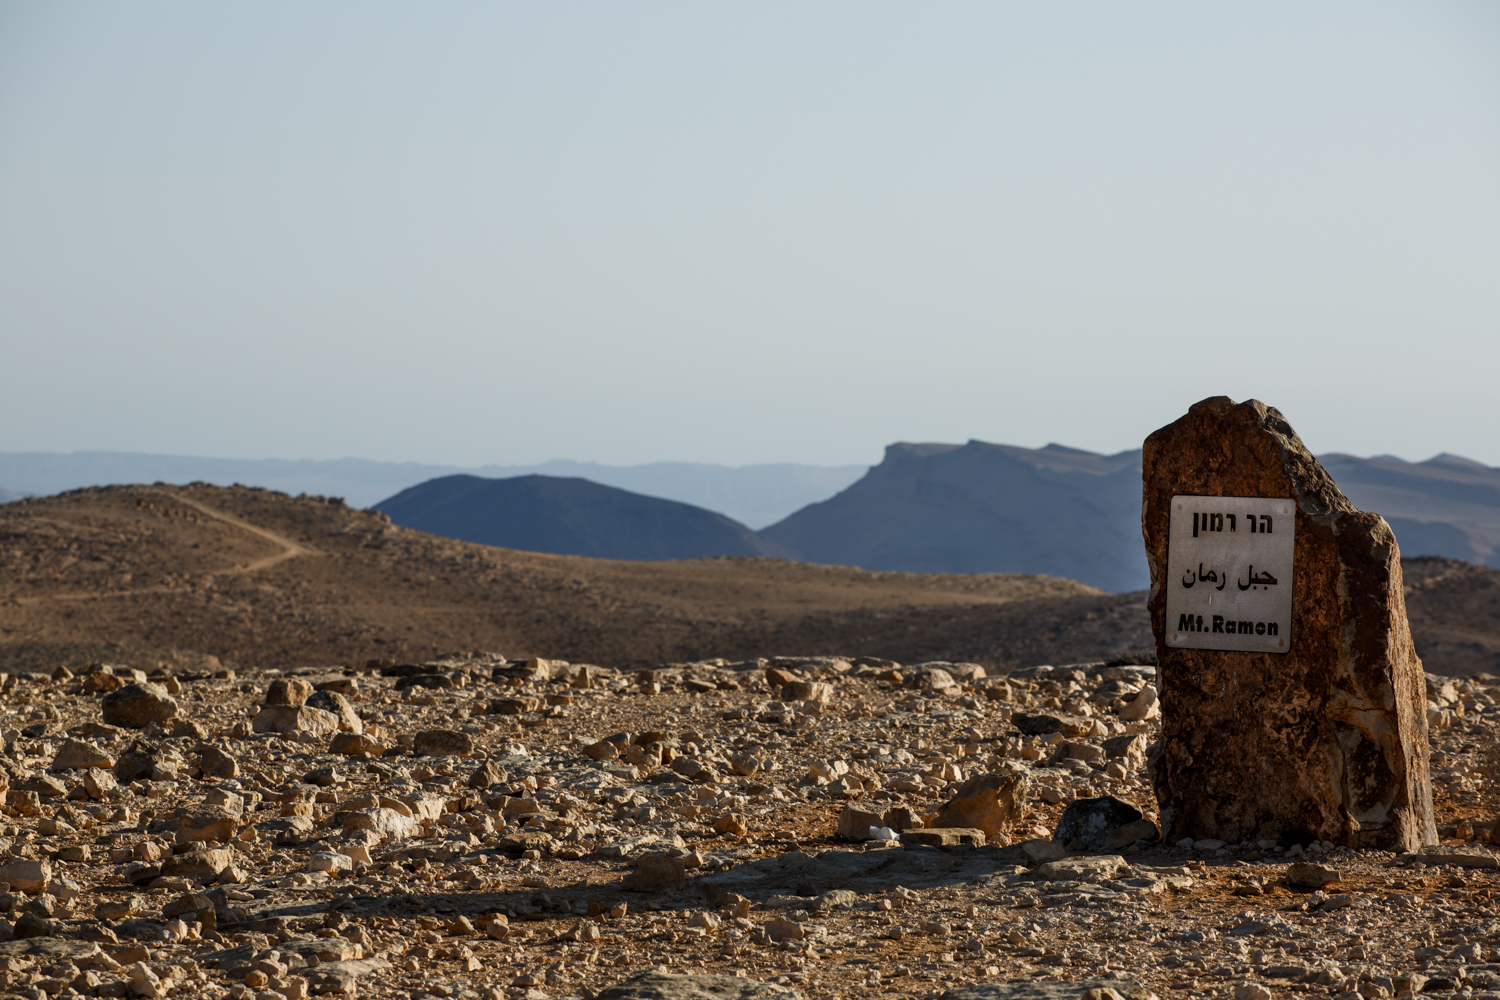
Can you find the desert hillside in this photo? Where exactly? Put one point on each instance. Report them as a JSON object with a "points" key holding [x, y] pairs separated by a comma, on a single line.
{"points": [[252, 576]]}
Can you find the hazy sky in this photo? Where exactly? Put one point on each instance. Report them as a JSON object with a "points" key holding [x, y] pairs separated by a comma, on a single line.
{"points": [[472, 233]]}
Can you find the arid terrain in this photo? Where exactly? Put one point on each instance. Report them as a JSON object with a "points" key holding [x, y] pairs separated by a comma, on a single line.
{"points": [[259, 578], [245, 772], [255, 578]]}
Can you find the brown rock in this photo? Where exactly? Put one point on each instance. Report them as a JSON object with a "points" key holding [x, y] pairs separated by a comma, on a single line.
{"points": [[776, 677], [1310, 875], [485, 776], [807, 691], [351, 744], [286, 719], [198, 864], [136, 706], [289, 691], [514, 706], [215, 763], [26, 875], [855, 823], [442, 743], [948, 837], [656, 873], [207, 825], [76, 755], [732, 825], [100, 785], [989, 802], [603, 750], [333, 701], [1327, 739]]}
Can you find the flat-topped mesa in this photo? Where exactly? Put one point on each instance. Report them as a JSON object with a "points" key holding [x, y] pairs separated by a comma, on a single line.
{"points": [[1292, 699]]}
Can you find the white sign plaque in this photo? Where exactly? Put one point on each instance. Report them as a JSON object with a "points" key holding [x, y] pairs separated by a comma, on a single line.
{"points": [[1229, 573]]}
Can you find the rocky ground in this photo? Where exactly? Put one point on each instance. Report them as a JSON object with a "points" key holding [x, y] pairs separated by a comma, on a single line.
{"points": [[472, 827]]}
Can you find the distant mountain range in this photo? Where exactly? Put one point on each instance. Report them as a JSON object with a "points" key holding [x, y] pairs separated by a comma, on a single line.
{"points": [[968, 508], [983, 508], [569, 516], [756, 495], [1445, 506]]}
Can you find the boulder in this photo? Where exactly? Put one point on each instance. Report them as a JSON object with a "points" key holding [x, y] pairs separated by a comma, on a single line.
{"points": [[201, 865], [215, 763], [442, 743], [1443, 854], [1326, 736], [291, 692], [487, 775], [602, 750], [383, 821], [210, 824], [656, 873], [287, 719], [76, 755], [1310, 875], [26, 875], [137, 762], [1131, 748], [100, 784], [136, 706], [333, 701], [352, 744], [1090, 822], [1143, 706], [989, 802], [807, 691], [855, 823]]}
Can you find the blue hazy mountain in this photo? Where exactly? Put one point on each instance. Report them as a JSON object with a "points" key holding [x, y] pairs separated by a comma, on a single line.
{"points": [[569, 516], [1445, 506], [983, 508]]}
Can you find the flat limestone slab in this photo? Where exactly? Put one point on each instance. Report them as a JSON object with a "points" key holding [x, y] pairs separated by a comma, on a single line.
{"points": [[812, 875], [1323, 737], [954, 836], [1083, 989]]}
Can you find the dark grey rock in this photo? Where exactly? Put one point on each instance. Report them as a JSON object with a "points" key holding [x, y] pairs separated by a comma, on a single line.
{"points": [[136, 706], [442, 743], [666, 986], [1091, 821]]}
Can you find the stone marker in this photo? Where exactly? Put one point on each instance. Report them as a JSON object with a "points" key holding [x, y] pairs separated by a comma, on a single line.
{"points": [[1292, 700]]}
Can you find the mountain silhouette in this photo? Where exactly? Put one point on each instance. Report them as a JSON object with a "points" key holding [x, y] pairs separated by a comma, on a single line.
{"points": [[983, 508], [570, 517]]}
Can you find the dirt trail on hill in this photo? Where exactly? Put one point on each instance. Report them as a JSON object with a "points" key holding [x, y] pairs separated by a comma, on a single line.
{"points": [[289, 549]]}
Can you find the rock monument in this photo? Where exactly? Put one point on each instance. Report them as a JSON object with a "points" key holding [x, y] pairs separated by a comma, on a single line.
{"points": [[1293, 703]]}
